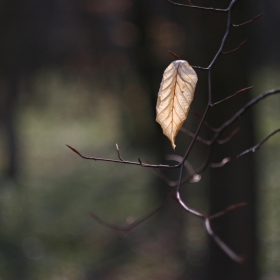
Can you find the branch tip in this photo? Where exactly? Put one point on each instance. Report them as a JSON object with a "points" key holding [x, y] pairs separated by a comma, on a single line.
{"points": [[240, 45], [249, 21], [174, 54], [73, 149], [231, 96]]}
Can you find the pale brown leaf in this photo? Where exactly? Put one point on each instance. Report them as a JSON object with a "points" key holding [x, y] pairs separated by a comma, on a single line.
{"points": [[175, 97]]}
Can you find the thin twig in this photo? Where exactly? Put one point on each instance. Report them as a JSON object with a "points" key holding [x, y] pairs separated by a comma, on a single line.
{"points": [[246, 22], [229, 97], [256, 147], [221, 243], [122, 160], [199, 7], [237, 48], [174, 54], [227, 139], [248, 105], [227, 210]]}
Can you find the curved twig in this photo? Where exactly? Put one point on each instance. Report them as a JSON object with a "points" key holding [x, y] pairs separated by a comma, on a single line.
{"points": [[248, 105], [222, 244]]}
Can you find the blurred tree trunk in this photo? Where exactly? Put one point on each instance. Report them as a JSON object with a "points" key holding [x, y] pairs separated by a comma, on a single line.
{"points": [[235, 182]]}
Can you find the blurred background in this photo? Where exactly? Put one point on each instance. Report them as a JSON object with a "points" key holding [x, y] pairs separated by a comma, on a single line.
{"points": [[87, 73]]}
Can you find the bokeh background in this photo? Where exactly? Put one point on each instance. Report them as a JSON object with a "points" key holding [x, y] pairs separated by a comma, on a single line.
{"points": [[86, 73]]}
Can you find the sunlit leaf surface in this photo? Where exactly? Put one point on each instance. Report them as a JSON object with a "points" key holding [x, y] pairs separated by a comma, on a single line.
{"points": [[175, 97]]}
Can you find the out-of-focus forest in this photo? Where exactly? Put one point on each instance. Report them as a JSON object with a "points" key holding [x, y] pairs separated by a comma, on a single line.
{"points": [[87, 73]]}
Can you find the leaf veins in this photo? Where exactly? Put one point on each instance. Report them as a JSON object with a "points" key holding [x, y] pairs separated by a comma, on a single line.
{"points": [[175, 97]]}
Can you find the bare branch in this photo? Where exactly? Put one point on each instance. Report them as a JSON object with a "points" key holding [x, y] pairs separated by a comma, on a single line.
{"points": [[186, 208], [221, 243], [209, 229], [182, 162], [122, 160], [248, 105]]}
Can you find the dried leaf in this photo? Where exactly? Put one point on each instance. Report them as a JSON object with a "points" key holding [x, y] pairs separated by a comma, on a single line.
{"points": [[175, 97]]}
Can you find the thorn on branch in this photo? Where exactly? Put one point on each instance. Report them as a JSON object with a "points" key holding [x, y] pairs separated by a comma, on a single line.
{"points": [[225, 53], [246, 22]]}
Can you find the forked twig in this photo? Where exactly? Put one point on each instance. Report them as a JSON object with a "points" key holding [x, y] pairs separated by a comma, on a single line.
{"points": [[182, 161], [122, 160], [210, 231]]}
